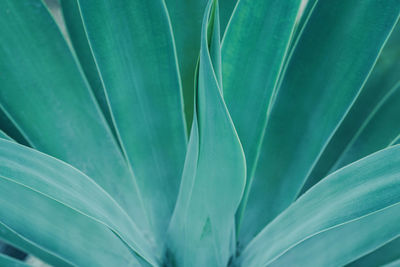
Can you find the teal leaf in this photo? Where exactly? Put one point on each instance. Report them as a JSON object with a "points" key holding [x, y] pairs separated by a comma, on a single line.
{"points": [[186, 17], [201, 229], [52, 183], [348, 214], [11, 262], [141, 81], [49, 99], [386, 254], [382, 80], [251, 64], [77, 34], [321, 82]]}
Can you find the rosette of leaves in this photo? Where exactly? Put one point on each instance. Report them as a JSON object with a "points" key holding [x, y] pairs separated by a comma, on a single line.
{"points": [[201, 133]]}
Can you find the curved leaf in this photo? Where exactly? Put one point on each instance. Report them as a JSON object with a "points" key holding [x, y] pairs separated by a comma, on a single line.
{"points": [[320, 84], [11, 262], [186, 16], [69, 187], [77, 34], [358, 205], [253, 51], [378, 131], [383, 255], [201, 229], [383, 78], [134, 52], [49, 99]]}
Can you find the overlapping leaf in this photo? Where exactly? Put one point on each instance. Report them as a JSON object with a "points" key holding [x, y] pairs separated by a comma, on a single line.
{"points": [[348, 214], [253, 51], [322, 80], [382, 80], [54, 183], [134, 53], [46, 95], [202, 228]]}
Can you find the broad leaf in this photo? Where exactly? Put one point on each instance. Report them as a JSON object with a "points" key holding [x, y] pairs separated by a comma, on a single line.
{"points": [[54, 183], [50, 101], [202, 228], [77, 34], [254, 47], [384, 255], [134, 52], [382, 80], [348, 214], [321, 81]]}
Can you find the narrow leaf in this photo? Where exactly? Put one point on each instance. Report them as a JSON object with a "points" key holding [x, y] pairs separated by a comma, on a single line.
{"points": [[358, 205], [383, 255], [50, 100], [134, 52], [382, 80], [201, 230], [322, 80], [254, 47], [64, 184]]}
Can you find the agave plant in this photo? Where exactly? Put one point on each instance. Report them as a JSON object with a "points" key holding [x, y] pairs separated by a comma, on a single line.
{"points": [[198, 133]]}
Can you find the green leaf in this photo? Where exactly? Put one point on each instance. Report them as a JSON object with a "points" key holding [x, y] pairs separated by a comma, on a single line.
{"points": [[383, 78], [18, 241], [11, 262], [383, 255], [251, 67], [358, 205], [201, 232], [134, 52], [321, 82], [77, 34], [379, 130], [186, 17], [9, 128], [226, 8], [50, 100], [56, 184], [5, 136]]}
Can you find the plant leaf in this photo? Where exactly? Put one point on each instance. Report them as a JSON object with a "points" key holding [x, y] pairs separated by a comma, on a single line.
{"points": [[383, 78], [11, 262], [49, 99], [383, 255], [358, 205], [201, 229], [321, 82], [378, 131], [9, 128], [186, 19], [134, 52], [77, 34], [58, 182], [5, 136], [251, 66]]}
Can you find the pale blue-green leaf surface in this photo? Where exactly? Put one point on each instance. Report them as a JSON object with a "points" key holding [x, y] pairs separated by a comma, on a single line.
{"points": [[383, 78], [44, 92], [66, 185], [253, 51], [134, 51], [77, 34], [383, 255], [348, 214], [201, 232], [321, 81]]}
